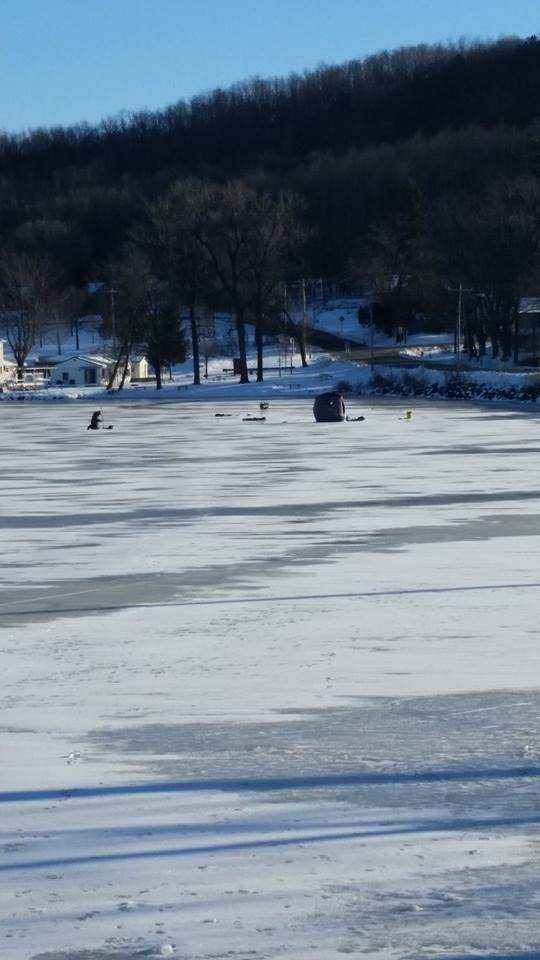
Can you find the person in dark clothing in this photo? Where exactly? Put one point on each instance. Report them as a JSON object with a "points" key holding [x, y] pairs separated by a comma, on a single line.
{"points": [[95, 421]]}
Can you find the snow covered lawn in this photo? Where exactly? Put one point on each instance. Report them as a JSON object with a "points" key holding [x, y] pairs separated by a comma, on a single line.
{"points": [[268, 688]]}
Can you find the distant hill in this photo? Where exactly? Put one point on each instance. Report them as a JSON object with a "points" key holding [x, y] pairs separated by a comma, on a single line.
{"points": [[330, 127], [382, 99]]}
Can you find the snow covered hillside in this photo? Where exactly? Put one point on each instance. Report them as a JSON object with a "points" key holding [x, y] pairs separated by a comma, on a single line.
{"points": [[269, 688]]}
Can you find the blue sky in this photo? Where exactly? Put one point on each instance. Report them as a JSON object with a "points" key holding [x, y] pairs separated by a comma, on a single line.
{"points": [[62, 61]]}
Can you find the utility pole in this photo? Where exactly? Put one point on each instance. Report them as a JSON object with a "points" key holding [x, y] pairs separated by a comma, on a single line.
{"points": [[280, 337], [321, 284], [458, 328], [516, 334], [304, 315], [372, 326], [112, 293], [304, 304]]}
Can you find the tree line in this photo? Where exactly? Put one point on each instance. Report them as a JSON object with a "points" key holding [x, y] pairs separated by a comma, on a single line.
{"points": [[201, 246]]}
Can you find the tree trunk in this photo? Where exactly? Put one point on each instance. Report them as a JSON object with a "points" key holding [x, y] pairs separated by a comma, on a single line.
{"points": [[115, 369], [469, 344], [482, 340], [301, 341], [516, 338], [507, 337], [195, 347], [494, 337], [77, 344], [158, 375], [124, 370], [260, 358], [241, 331]]}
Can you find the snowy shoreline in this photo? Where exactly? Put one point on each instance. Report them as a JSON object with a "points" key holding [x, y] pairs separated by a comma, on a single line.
{"points": [[325, 373]]}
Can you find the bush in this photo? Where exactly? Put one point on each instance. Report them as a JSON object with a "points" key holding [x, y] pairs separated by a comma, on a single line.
{"points": [[531, 390], [415, 386], [454, 387], [382, 384]]}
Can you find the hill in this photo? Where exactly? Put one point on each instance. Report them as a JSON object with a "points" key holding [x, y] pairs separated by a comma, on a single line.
{"points": [[344, 137]]}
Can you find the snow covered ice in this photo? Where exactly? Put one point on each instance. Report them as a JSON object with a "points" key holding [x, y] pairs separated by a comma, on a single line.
{"points": [[269, 688]]}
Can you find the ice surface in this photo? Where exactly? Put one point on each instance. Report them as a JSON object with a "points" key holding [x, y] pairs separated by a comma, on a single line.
{"points": [[269, 689]]}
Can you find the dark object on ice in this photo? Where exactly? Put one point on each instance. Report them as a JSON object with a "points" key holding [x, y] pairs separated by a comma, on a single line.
{"points": [[329, 407], [254, 419], [223, 414], [354, 419], [264, 405], [95, 421]]}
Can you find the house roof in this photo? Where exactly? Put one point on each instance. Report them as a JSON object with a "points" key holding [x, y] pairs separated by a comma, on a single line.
{"points": [[97, 360], [42, 360], [529, 305]]}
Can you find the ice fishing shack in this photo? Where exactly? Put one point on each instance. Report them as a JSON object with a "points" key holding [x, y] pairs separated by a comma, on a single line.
{"points": [[329, 407]]}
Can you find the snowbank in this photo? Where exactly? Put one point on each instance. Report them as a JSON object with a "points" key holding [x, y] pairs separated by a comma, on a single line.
{"points": [[470, 385]]}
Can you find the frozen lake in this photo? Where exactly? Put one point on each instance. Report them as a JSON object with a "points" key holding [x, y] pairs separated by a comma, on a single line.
{"points": [[269, 689]]}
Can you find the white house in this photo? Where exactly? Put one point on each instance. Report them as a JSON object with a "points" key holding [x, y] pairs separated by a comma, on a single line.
{"points": [[8, 368], [87, 371]]}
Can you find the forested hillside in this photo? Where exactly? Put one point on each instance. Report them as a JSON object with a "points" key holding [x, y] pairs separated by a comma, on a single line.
{"points": [[343, 137], [383, 99], [416, 172]]}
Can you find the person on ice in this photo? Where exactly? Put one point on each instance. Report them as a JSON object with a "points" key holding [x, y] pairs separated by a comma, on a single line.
{"points": [[95, 421]]}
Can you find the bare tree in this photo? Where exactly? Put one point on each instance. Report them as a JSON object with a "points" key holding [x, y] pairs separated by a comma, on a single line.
{"points": [[146, 317], [490, 244], [209, 342], [242, 241], [398, 262], [127, 280], [171, 238], [273, 234], [287, 323], [28, 289], [211, 217]]}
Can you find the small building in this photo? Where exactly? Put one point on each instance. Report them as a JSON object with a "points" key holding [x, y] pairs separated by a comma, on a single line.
{"points": [[87, 371], [529, 330], [140, 369], [329, 407]]}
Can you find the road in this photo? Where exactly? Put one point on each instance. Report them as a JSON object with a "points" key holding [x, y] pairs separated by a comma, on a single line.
{"points": [[391, 357]]}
